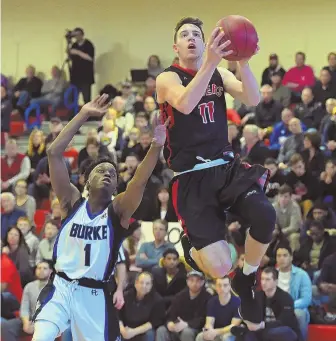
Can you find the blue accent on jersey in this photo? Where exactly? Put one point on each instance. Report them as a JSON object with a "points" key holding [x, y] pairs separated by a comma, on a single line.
{"points": [[106, 274], [92, 215]]}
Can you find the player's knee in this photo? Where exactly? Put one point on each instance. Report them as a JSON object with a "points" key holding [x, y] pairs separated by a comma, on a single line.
{"points": [[45, 331], [217, 259], [263, 222]]}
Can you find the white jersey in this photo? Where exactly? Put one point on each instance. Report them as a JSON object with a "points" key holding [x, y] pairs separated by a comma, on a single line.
{"points": [[88, 244]]}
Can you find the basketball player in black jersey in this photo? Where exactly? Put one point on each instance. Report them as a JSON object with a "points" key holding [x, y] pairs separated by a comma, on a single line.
{"points": [[209, 180]]}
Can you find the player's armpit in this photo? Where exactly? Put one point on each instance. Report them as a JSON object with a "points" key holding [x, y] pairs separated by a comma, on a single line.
{"points": [[232, 85], [170, 89]]}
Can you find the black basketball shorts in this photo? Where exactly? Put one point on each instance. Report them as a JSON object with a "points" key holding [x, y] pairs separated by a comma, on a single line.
{"points": [[202, 197]]}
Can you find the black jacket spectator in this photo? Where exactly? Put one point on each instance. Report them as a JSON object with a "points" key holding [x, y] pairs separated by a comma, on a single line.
{"points": [[267, 114], [310, 115], [328, 270], [189, 310], [315, 165], [257, 155], [32, 86], [321, 94], [269, 71]]}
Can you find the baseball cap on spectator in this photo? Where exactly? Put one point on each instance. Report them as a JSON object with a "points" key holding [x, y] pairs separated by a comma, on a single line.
{"points": [[274, 56], [195, 273], [55, 120]]}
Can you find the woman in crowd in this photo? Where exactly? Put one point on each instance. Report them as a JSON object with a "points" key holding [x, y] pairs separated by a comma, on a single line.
{"points": [[24, 202], [36, 148]]}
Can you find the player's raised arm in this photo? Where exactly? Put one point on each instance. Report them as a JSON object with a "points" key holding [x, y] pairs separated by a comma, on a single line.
{"points": [[66, 193], [127, 202], [184, 99]]}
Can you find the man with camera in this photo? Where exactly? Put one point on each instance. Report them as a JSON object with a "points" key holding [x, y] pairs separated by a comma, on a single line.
{"points": [[81, 53]]}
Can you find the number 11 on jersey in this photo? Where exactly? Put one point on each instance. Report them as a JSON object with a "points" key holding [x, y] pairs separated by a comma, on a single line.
{"points": [[207, 111]]}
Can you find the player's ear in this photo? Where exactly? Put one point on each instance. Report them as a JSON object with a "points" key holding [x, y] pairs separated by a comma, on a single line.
{"points": [[175, 48]]}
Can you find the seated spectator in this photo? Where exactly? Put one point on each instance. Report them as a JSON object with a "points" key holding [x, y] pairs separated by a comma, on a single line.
{"points": [[328, 120], [14, 166], [162, 207], [154, 65], [319, 212], [299, 76], [304, 185], [281, 130], [6, 110], [276, 179], [170, 276], [221, 314], [11, 289], [24, 225], [326, 282], [297, 283], [131, 245], [279, 321], [314, 249], [90, 151], [288, 216], [141, 121], [127, 171], [128, 95], [281, 93], [142, 312], [293, 144], [27, 88], [10, 214], [310, 112], [24, 201], [15, 328], [46, 245], [324, 88], [131, 141], [150, 86], [234, 137], [151, 109], [254, 151], [330, 135], [52, 92], [328, 183], [55, 127], [273, 67], [56, 212], [332, 66], [36, 148], [111, 136], [186, 315], [149, 253], [15, 247], [268, 111], [312, 156]]}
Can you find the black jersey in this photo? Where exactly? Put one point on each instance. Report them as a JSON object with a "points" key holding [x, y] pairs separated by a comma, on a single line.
{"points": [[203, 133]]}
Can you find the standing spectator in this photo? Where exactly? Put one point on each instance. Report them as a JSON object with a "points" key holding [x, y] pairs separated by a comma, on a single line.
{"points": [[52, 92], [10, 214], [279, 321], [170, 276], [186, 315], [15, 328], [312, 156], [332, 66], [24, 201], [36, 148], [222, 313], [276, 179], [324, 88], [154, 65], [309, 111], [297, 283], [25, 226], [27, 88], [46, 245], [82, 54], [150, 253], [299, 76], [293, 144], [6, 110], [14, 166], [274, 67], [268, 111], [288, 216], [142, 312], [15, 247], [280, 92]]}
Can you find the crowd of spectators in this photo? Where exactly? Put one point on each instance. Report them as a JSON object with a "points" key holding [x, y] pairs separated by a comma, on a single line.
{"points": [[292, 132]]}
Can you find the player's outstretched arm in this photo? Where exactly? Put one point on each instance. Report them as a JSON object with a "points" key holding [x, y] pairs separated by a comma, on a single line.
{"points": [[127, 202], [66, 193]]}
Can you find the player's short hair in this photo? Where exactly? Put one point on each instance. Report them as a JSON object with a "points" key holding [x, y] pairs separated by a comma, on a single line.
{"points": [[95, 163], [189, 20]]}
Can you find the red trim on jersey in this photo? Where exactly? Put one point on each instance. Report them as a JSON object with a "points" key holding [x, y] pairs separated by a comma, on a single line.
{"points": [[174, 200], [167, 111], [190, 71]]}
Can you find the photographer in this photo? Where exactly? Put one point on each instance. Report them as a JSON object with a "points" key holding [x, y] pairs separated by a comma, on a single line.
{"points": [[81, 53]]}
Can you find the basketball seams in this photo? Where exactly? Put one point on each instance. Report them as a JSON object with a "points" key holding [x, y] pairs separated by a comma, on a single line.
{"points": [[227, 33], [245, 40]]}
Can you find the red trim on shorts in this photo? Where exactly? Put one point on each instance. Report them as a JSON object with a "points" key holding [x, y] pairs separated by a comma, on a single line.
{"points": [[167, 112], [190, 71], [174, 200]]}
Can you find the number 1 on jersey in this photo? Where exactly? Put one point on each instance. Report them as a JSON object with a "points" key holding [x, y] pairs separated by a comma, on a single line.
{"points": [[207, 109], [87, 250]]}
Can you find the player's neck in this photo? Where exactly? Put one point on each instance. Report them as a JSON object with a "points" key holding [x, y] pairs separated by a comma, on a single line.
{"points": [[96, 205], [191, 64]]}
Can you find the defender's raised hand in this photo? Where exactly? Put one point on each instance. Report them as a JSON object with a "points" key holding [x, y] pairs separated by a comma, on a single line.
{"points": [[98, 107], [160, 133]]}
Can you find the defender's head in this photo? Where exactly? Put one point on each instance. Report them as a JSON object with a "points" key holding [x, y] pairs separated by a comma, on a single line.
{"points": [[189, 39], [101, 176]]}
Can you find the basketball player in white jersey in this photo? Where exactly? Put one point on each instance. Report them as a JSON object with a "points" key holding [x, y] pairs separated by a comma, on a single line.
{"points": [[80, 292]]}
